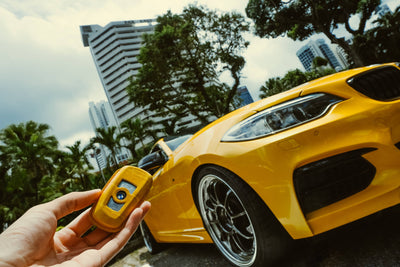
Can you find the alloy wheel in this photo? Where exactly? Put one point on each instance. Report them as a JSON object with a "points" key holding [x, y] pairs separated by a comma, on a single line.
{"points": [[227, 221]]}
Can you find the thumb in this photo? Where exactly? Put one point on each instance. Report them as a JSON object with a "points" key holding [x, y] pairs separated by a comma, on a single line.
{"points": [[71, 202]]}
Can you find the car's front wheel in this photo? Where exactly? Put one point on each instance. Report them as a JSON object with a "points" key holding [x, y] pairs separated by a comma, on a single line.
{"points": [[240, 224], [152, 246]]}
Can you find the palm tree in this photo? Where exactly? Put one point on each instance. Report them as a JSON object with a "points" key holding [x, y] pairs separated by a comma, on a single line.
{"points": [[135, 131], [109, 138], [29, 151], [139, 128], [272, 86], [129, 133], [80, 162]]}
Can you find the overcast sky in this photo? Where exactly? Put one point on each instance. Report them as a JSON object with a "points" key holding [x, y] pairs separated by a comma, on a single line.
{"points": [[46, 75]]}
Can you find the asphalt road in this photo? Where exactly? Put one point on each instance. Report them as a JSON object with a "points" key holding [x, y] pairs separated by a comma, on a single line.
{"points": [[370, 242]]}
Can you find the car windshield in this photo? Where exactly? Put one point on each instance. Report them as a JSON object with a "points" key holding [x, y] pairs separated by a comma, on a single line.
{"points": [[174, 143]]}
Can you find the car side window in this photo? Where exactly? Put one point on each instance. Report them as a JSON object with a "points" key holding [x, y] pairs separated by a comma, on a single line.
{"points": [[155, 148]]}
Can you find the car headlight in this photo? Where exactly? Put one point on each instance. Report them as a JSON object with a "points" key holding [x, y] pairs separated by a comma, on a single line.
{"points": [[282, 117]]}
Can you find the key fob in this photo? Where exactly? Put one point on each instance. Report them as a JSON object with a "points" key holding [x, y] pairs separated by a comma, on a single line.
{"points": [[124, 191]]}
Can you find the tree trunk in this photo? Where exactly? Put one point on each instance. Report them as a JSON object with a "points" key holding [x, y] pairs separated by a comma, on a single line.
{"points": [[357, 61]]}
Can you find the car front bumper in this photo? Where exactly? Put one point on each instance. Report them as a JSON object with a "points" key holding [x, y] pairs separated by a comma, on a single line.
{"points": [[272, 165]]}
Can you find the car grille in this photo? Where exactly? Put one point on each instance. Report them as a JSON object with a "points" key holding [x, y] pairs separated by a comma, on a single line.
{"points": [[380, 84], [329, 180]]}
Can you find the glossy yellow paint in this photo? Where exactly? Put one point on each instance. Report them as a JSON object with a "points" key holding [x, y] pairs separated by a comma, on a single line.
{"points": [[267, 164], [111, 218]]}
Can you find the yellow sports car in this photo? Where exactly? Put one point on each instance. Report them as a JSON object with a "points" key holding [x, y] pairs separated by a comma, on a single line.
{"points": [[290, 166]]}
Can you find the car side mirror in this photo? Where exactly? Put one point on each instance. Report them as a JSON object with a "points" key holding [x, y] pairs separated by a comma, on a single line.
{"points": [[152, 162]]}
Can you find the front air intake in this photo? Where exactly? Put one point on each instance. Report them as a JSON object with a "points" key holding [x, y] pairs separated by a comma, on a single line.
{"points": [[380, 84], [332, 179]]}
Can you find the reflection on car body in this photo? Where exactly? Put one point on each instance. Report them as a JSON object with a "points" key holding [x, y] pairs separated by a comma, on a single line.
{"points": [[290, 166]]}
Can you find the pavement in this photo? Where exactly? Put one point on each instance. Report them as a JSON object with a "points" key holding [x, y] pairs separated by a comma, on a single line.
{"points": [[373, 241]]}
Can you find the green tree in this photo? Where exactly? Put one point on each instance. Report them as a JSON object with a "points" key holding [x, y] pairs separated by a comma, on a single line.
{"points": [[183, 60], [319, 62], [381, 43], [302, 18], [170, 125], [271, 87], [29, 151], [130, 136], [34, 170], [135, 131], [294, 77], [291, 79], [26, 157], [109, 138], [80, 163]]}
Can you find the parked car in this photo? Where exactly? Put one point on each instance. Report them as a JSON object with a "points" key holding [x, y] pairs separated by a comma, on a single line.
{"points": [[290, 166]]}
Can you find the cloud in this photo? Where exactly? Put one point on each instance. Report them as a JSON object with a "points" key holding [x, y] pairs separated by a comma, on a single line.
{"points": [[49, 77], [267, 58], [44, 76], [84, 136]]}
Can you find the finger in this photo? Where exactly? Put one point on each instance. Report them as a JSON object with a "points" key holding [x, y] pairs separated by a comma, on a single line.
{"points": [[72, 202], [74, 231], [81, 224], [95, 237], [99, 235], [133, 221], [112, 245]]}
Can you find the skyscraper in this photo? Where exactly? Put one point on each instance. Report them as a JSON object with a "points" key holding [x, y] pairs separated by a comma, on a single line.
{"points": [[245, 96], [101, 116], [381, 10], [115, 48], [318, 48]]}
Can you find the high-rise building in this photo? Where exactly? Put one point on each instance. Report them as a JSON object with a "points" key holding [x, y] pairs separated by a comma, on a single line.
{"points": [[318, 48], [115, 48], [382, 10], [341, 56], [101, 116], [244, 96]]}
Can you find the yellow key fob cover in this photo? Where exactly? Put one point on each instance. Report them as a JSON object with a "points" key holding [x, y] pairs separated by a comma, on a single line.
{"points": [[125, 190]]}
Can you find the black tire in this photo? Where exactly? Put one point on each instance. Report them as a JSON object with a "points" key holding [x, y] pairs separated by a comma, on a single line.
{"points": [[238, 221], [152, 246]]}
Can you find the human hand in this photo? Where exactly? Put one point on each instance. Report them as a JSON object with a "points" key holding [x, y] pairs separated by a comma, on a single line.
{"points": [[33, 240]]}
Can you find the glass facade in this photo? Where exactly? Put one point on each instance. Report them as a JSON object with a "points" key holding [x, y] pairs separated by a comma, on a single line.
{"points": [[318, 48]]}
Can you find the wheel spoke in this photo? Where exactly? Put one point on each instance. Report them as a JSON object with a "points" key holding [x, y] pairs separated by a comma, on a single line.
{"points": [[224, 236], [243, 234], [234, 207], [226, 219], [210, 205], [228, 194], [240, 214], [212, 193], [236, 245]]}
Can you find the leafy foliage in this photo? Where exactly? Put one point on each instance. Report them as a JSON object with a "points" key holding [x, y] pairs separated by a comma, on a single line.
{"points": [[28, 151], [33, 170], [381, 43], [80, 164], [319, 62], [109, 138], [291, 79], [136, 131], [183, 61], [302, 18]]}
